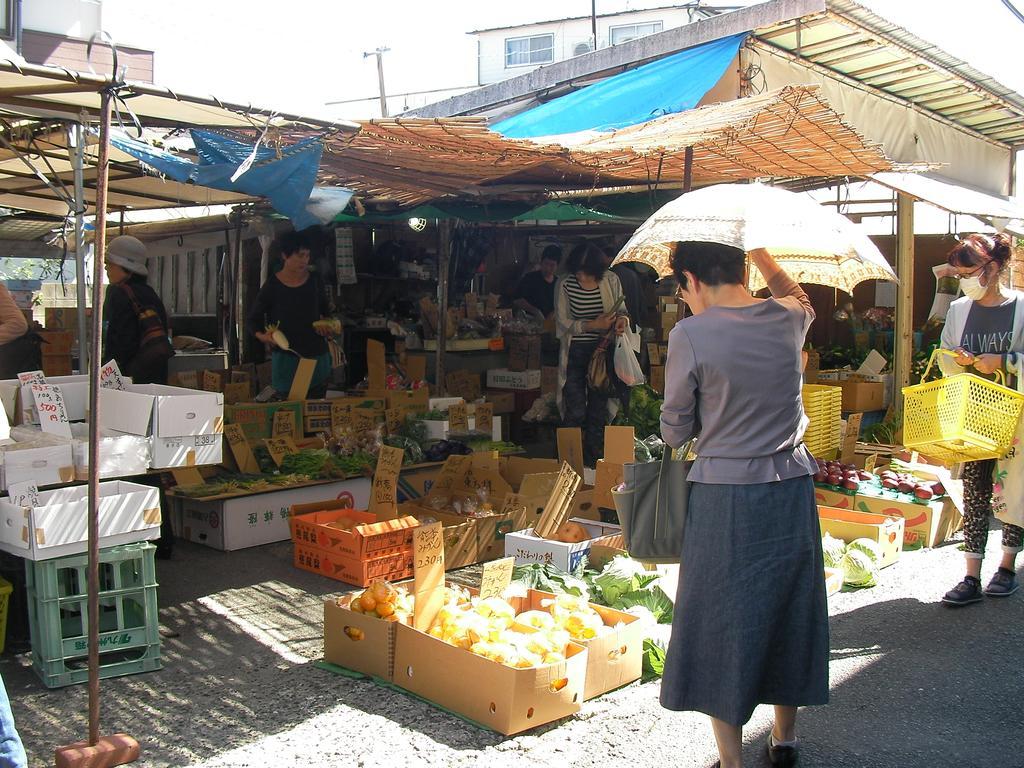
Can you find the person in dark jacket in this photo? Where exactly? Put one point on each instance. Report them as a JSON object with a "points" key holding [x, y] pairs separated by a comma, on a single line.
{"points": [[293, 299], [135, 329]]}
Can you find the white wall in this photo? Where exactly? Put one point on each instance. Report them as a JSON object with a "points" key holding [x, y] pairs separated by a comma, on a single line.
{"points": [[567, 35], [71, 18]]}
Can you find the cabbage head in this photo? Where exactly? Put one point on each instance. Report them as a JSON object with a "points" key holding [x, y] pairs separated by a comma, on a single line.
{"points": [[621, 575], [858, 569], [833, 549], [869, 547]]}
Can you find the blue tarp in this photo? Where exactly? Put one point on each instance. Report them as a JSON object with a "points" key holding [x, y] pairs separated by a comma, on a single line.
{"points": [[663, 87], [286, 182]]}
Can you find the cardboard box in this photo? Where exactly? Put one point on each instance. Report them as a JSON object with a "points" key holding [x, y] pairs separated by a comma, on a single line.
{"points": [[503, 402], [523, 352], [526, 547], [438, 430], [501, 698], [120, 455], [257, 419], [825, 496], [316, 525], [58, 525], [186, 451], [614, 659], [369, 646], [250, 521], [503, 378], [416, 483], [352, 570], [618, 451], [862, 396], [154, 409], [420, 398], [22, 410], [926, 524], [461, 543], [848, 525], [42, 465]]}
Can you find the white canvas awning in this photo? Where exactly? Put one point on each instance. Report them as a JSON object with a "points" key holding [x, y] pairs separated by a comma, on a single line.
{"points": [[1001, 212]]}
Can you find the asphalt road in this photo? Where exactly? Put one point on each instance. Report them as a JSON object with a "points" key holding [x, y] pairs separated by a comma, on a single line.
{"points": [[914, 684]]}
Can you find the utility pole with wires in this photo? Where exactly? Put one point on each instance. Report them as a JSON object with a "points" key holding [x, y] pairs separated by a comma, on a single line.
{"points": [[379, 53]]}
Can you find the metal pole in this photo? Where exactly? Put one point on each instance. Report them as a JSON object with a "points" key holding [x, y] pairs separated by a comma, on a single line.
{"points": [[94, 422], [443, 261], [687, 169], [81, 295], [593, 22], [904, 335], [380, 82]]}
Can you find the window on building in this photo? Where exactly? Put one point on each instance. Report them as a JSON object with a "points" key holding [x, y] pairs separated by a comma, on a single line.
{"points": [[523, 51], [7, 19], [623, 34]]}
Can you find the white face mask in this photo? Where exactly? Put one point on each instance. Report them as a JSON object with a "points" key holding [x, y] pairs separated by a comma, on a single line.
{"points": [[972, 288]]}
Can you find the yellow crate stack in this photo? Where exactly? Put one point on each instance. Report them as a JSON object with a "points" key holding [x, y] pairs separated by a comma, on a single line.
{"points": [[824, 407]]}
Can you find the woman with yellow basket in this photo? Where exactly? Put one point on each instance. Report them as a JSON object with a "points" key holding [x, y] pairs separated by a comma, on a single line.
{"points": [[985, 330]]}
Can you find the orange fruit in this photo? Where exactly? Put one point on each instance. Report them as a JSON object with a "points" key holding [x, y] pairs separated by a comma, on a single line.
{"points": [[385, 609], [367, 602]]}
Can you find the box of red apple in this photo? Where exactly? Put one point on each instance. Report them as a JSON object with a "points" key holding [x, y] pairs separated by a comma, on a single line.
{"points": [[839, 477]]}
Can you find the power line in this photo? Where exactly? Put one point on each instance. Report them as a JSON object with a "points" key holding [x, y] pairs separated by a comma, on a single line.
{"points": [[1010, 7]]}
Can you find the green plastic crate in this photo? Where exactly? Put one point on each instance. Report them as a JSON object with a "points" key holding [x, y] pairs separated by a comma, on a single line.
{"points": [[129, 639]]}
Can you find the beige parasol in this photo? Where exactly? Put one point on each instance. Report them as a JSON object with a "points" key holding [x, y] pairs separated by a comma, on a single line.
{"points": [[813, 244]]}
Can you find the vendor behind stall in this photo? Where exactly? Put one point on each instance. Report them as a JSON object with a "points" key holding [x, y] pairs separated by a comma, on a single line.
{"points": [[292, 300], [136, 333], [536, 291]]}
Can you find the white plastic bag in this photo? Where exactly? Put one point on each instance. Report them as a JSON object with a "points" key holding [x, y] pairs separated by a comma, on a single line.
{"points": [[627, 367]]}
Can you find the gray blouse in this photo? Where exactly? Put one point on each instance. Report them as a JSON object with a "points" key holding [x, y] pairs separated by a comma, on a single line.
{"points": [[733, 378]]}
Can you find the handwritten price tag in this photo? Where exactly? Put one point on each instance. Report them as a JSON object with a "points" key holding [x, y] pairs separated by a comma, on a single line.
{"points": [[23, 494], [496, 577], [211, 381], [279, 447], [363, 419], [284, 424], [32, 377], [384, 493], [395, 419], [53, 416], [484, 418], [458, 419], [237, 392], [341, 416], [451, 475], [428, 568], [110, 376], [240, 449]]}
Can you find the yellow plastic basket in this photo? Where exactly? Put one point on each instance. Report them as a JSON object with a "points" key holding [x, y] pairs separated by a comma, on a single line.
{"points": [[961, 417], [5, 600], [823, 406]]}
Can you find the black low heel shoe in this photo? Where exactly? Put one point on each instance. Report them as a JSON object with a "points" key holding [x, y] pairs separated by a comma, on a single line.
{"points": [[783, 756]]}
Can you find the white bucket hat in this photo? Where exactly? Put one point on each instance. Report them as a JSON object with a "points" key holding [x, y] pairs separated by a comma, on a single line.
{"points": [[129, 253]]}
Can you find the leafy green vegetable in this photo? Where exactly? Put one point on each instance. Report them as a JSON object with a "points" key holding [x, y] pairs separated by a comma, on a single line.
{"points": [[644, 412], [621, 575], [413, 453], [653, 659], [869, 547], [832, 549], [858, 569], [655, 600], [547, 578]]}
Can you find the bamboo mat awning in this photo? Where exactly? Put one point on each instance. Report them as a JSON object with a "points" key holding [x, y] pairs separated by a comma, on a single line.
{"points": [[790, 132]]}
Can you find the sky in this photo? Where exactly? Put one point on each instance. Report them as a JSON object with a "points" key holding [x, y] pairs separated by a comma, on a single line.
{"points": [[311, 52]]}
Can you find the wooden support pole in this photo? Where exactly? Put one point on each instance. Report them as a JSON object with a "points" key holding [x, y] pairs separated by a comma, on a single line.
{"points": [[687, 169], [904, 336], [443, 266]]}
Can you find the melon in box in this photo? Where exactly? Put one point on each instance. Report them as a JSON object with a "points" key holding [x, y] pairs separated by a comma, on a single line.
{"points": [[502, 698], [614, 659], [526, 547]]}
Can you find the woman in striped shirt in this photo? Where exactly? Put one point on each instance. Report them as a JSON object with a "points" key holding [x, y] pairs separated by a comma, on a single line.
{"points": [[583, 307]]}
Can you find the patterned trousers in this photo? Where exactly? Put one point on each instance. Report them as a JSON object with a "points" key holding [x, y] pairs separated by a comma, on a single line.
{"points": [[977, 509]]}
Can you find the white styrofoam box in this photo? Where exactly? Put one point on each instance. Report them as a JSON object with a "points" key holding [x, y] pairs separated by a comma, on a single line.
{"points": [[438, 430], [120, 455], [40, 465], [186, 450], [155, 409], [58, 525], [22, 409], [250, 521], [441, 403], [503, 378], [527, 548]]}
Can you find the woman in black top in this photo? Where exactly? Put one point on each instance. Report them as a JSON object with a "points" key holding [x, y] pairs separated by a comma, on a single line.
{"points": [[294, 299], [135, 329]]}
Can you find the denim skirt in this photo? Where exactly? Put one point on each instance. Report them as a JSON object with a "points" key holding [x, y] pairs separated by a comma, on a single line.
{"points": [[751, 620]]}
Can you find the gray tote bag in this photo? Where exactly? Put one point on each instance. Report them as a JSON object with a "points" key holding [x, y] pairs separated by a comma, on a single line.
{"points": [[652, 508]]}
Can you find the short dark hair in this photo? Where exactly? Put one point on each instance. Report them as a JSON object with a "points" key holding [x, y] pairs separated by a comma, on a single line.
{"points": [[975, 250], [291, 243], [587, 258], [552, 253], [711, 263]]}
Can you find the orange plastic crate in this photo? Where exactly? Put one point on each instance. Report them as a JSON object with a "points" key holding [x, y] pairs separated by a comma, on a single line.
{"points": [[361, 573], [367, 539]]}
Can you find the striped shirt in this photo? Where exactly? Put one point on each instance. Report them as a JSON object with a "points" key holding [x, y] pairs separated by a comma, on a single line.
{"points": [[583, 305]]}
